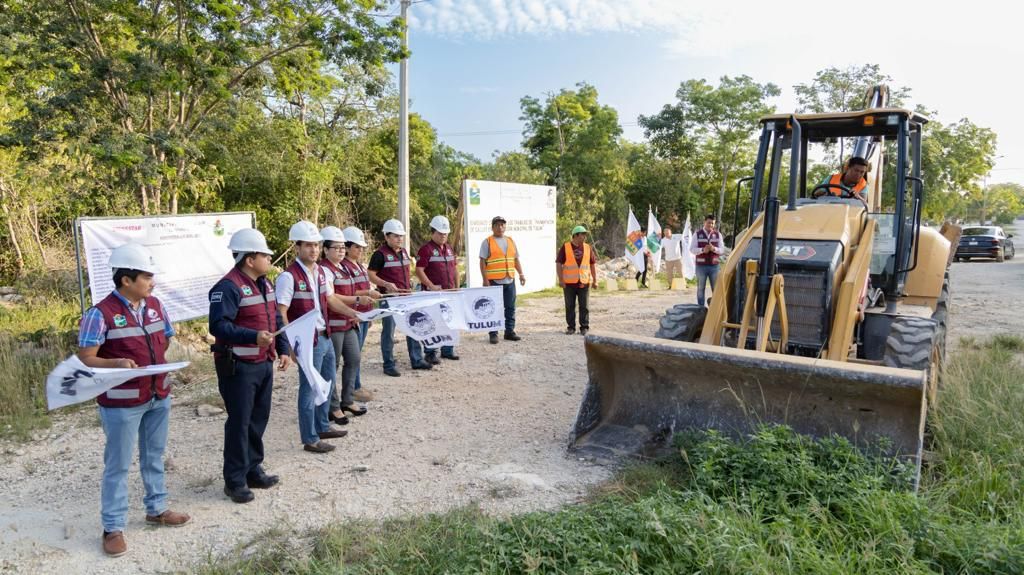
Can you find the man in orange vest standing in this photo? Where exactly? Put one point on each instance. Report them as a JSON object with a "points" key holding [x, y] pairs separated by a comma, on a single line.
{"points": [[129, 328], [852, 177], [499, 262], [577, 270]]}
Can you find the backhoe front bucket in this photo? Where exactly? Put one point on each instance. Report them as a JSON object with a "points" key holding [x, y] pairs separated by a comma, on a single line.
{"points": [[643, 390]]}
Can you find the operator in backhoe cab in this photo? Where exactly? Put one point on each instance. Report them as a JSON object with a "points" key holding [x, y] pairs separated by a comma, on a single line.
{"points": [[850, 182]]}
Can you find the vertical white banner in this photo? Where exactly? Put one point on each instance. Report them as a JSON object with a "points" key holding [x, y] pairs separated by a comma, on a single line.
{"points": [[530, 213], [654, 240], [191, 252]]}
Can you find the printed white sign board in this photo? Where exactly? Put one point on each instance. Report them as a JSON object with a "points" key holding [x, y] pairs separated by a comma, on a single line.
{"points": [[191, 252], [530, 214]]}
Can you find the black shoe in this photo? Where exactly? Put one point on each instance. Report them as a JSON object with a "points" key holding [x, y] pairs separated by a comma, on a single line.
{"points": [[570, 330], [392, 372], [452, 357], [422, 365], [340, 420], [511, 336], [355, 410], [239, 494], [584, 330], [263, 482], [432, 360], [494, 338]]}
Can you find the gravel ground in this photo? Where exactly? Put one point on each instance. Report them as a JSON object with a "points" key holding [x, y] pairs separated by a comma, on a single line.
{"points": [[490, 429]]}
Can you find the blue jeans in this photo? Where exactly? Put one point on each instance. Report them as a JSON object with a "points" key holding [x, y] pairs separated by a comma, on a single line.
{"points": [[123, 425], [313, 418], [364, 328], [508, 296], [387, 344], [705, 272]]}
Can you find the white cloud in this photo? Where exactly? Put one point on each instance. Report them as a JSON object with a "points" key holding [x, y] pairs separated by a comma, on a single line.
{"points": [[719, 28]]}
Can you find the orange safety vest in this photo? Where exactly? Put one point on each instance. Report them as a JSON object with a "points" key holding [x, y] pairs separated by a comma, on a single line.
{"points": [[576, 273], [837, 179], [499, 264]]}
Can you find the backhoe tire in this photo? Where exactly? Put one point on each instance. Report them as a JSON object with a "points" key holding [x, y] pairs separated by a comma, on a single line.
{"points": [[911, 342], [682, 322]]}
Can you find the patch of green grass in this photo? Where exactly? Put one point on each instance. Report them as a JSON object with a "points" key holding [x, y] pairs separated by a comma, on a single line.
{"points": [[23, 369], [772, 502], [544, 293]]}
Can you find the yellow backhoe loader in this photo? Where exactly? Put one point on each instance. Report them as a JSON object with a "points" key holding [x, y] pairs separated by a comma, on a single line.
{"points": [[828, 316]]}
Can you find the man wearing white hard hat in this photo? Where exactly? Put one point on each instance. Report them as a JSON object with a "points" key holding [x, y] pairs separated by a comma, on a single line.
{"points": [[389, 270], [301, 288], [437, 270], [243, 318], [129, 328], [344, 330], [355, 248]]}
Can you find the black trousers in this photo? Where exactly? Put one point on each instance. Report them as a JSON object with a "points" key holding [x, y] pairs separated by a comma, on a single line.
{"points": [[246, 391], [572, 295]]}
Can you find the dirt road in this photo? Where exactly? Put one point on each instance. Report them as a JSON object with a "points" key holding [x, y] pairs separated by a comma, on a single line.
{"points": [[490, 429]]}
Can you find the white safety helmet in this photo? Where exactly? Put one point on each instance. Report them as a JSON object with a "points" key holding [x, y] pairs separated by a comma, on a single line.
{"points": [[394, 227], [249, 241], [304, 231], [332, 234], [355, 235], [440, 223], [133, 257]]}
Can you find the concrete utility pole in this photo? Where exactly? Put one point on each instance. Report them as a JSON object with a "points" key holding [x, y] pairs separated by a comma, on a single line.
{"points": [[403, 125]]}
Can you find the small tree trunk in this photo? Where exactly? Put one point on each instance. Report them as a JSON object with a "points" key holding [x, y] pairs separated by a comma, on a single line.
{"points": [[35, 234], [721, 195], [144, 197]]}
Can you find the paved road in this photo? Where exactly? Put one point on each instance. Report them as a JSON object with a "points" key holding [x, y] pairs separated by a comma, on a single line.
{"points": [[988, 297]]}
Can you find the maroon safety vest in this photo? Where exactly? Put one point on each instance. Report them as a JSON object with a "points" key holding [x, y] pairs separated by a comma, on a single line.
{"points": [[256, 311], [703, 239], [441, 266], [144, 344], [396, 266], [342, 286], [360, 281], [302, 295]]}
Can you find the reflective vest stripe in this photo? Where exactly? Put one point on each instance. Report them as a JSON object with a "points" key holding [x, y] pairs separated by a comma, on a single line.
{"points": [[499, 264], [837, 179], [123, 393], [573, 272], [245, 350], [123, 332]]}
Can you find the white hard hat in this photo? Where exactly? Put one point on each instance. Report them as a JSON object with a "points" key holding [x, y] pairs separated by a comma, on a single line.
{"points": [[440, 223], [355, 235], [133, 257], [249, 241], [394, 227], [304, 231], [332, 234]]}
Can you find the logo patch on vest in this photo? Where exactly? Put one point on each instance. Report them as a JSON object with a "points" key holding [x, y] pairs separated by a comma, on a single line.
{"points": [[120, 321], [391, 258], [436, 253], [302, 285], [152, 314], [246, 290]]}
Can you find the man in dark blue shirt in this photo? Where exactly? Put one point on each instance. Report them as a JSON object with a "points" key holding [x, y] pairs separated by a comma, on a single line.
{"points": [[243, 319]]}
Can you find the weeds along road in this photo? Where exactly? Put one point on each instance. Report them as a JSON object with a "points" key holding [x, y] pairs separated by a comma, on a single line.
{"points": [[489, 430]]}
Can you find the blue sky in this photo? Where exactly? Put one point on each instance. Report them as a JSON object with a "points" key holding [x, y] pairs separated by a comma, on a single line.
{"points": [[474, 59]]}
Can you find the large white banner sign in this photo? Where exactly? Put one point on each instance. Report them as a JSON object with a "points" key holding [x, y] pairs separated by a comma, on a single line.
{"points": [[191, 252], [530, 215]]}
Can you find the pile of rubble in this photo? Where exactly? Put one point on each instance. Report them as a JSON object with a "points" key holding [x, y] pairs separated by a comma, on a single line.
{"points": [[618, 268], [10, 295]]}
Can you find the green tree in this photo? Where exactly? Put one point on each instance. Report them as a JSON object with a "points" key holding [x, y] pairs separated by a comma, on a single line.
{"points": [[575, 141], [717, 124], [154, 74]]}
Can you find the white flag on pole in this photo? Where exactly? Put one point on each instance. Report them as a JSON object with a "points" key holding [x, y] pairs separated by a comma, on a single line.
{"points": [[301, 334], [654, 240], [428, 325], [635, 243], [689, 260], [483, 308], [73, 382]]}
